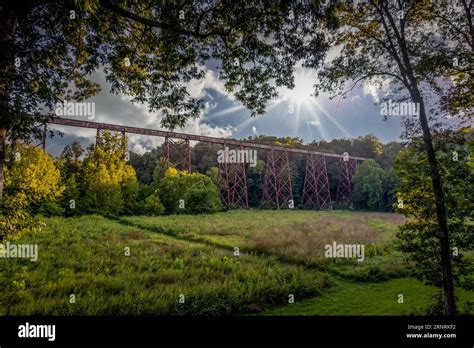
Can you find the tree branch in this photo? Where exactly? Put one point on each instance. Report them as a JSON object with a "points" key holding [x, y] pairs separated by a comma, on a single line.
{"points": [[155, 24]]}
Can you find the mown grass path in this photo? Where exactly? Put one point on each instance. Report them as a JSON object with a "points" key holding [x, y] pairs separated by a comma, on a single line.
{"points": [[379, 298]]}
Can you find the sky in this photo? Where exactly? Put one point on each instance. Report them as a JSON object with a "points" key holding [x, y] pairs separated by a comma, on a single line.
{"points": [[294, 113]]}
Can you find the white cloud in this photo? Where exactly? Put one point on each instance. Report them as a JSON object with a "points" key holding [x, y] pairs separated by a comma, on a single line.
{"points": [[197, 88], [372, 90], [254, 130], [314, 123], [198, 127], [376, 88]]}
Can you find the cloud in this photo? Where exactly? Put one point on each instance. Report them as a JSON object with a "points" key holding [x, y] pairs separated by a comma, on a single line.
{"points": [[372, 90], [376, 87], [118, 109], [314, 123], [198, 88], [254, 130]]}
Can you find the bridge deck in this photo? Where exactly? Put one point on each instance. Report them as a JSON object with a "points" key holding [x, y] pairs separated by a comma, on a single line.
{"points": [[202, 138]]}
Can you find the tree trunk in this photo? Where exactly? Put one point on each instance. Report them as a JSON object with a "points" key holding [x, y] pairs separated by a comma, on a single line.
{"points": [[441, 216], [8, 23], [3, 138]]}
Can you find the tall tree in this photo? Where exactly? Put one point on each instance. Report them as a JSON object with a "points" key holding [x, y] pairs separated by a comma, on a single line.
{"points": [[455, 23], [395, 46], [419, 233], [109, 184], [32, 182]]}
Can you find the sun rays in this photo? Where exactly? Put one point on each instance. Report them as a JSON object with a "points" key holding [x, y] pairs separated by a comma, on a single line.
{"points": [[297, 110]]}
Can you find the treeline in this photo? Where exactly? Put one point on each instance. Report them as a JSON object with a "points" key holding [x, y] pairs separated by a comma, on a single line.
{"points": [[375, 193], [106, 179]]}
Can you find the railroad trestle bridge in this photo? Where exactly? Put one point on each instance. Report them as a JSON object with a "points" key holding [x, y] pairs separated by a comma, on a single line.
{"points": [[277, 185]]}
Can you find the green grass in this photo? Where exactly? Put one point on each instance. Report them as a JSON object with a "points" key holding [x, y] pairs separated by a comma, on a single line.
{"points": [[353, 298], [297, 237], [281, 253], [85, 257], [301, 234]]}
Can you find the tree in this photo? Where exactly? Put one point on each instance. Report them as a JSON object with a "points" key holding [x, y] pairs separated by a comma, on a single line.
{"points": [[42, 63], [34, 175], [255, 178], [455, 24], [71, 169], [388, 155], [205, 156], [31, 182], [396, 45], [71, 158], [109, 184], [149, 50], [145, 164], [153, 205], [417, 201], [373, 187]]}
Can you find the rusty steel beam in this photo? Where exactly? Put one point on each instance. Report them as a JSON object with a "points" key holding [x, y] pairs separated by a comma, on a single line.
{"points": [[316, 184], [232, 179], [191, 137], [277, 188], [177, 154], [345, 185]]}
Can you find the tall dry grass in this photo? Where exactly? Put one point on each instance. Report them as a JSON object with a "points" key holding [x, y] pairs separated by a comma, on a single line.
{"points": [[308, 239]]}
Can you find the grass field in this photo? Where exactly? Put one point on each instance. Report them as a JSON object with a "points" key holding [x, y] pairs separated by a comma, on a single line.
{"points": [[191, 258]]}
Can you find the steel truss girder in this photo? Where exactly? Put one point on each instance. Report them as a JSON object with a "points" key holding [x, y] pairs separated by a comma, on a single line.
{"points": [[277, 188], [177, 154], [232, 179], [316, 184], [193, 137], [345, 186]]}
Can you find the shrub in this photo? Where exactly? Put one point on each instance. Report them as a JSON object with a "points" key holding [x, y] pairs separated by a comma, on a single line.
{"points": [[202, 200], [181, 192], [153, 205]]}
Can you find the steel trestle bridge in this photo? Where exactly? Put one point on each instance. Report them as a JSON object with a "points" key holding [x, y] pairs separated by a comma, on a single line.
{"points": [[277, 187]]}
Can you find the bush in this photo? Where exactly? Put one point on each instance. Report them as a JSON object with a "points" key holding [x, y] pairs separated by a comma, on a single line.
{"points": [[181, 192], [51, 208], [202, 200], [15, 219], [153, 205], [419, 237], [436, 306], [374, 187], [110, 185]]}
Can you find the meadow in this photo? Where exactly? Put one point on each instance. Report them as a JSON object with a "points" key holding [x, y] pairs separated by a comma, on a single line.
{"points": [[233, 263]]}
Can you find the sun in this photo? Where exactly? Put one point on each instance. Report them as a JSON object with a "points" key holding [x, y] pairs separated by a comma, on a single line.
{"points": [[303, 90]]}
